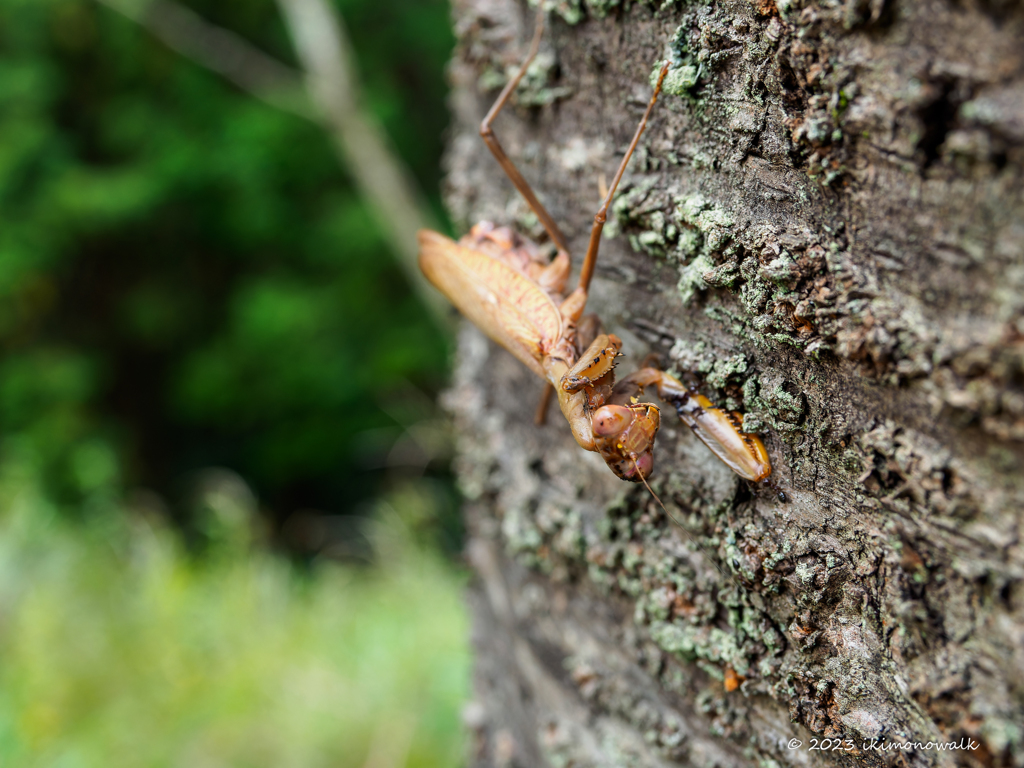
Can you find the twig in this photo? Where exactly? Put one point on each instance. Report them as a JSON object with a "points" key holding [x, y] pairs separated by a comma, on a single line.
{"points": [[326, 94], [221, 51], [323, 48]]}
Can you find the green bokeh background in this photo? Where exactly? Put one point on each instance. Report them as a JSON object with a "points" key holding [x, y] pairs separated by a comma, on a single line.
{"points": [[187, 276], [211, 369]]}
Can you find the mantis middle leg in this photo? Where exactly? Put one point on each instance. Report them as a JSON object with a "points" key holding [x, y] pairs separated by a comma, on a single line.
{"points": [[590, 260]]}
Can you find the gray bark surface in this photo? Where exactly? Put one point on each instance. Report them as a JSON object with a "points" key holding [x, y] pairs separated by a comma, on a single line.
{"points": [[824, 224]]}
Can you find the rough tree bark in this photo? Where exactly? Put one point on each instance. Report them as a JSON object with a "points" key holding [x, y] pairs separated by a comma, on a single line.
{"points": [[824, 223]]}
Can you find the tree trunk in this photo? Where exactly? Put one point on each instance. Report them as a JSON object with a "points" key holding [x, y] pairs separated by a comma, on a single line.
{"points": [[823, 224]]}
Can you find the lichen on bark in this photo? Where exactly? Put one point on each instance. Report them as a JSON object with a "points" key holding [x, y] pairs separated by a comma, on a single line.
{"points": [[824, 225]]}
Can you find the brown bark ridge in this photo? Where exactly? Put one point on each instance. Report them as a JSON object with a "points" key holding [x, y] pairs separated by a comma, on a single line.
{"points": [[824, 224]]}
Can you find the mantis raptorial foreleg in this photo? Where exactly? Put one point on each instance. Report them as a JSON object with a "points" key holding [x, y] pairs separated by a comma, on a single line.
{"points": [[596, 362]]}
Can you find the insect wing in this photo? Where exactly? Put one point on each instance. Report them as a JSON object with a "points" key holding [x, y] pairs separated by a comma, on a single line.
{"points": [[720, 431], [504, 304]]}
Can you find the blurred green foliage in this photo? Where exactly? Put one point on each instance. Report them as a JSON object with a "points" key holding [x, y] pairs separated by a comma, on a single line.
{"points": [[187, 277], [189, 280], [119, 649]]}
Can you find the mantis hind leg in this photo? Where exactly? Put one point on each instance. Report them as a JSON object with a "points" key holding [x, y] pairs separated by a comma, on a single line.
{"points": [[487, 134], [520, 183]]}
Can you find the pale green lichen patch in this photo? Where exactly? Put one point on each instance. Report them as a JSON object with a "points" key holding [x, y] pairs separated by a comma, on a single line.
{"points": [[753, 424], [769, 403], [706, 643], [574, 11], [684, 71], [724, 275], [707, 230], [788, 406], [630, 206], [639, 205], [807, 572], [692, 357], [691, 278], [678, 80], [730, 368], [521, 533], [601, 8], [656, 240], [710, 220], [781, 270], [491, 79], [754, 296], [688, 244], [571, 11], [535, 89], [735, 322], [785, 6], [526, 219]]}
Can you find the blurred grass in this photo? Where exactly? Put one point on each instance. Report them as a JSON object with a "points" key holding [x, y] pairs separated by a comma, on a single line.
{"points": [[119, 648]]}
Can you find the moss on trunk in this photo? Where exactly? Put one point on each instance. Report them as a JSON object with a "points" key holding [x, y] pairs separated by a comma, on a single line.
{"points": [[824, 225]]}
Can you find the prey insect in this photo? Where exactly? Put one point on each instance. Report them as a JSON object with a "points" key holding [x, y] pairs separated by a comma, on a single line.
{"points": [[504, 285]]}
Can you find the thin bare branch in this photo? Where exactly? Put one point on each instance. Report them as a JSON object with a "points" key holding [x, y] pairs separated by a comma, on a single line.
{"points": [[221, 51], [323, 48], [326, 94]]}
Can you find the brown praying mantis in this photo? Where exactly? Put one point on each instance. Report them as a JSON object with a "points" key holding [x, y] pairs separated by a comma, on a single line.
{"points": [[508, 289]]}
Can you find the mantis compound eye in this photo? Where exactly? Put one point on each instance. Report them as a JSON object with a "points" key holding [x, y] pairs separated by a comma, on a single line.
{"points": [[611, 420]]}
